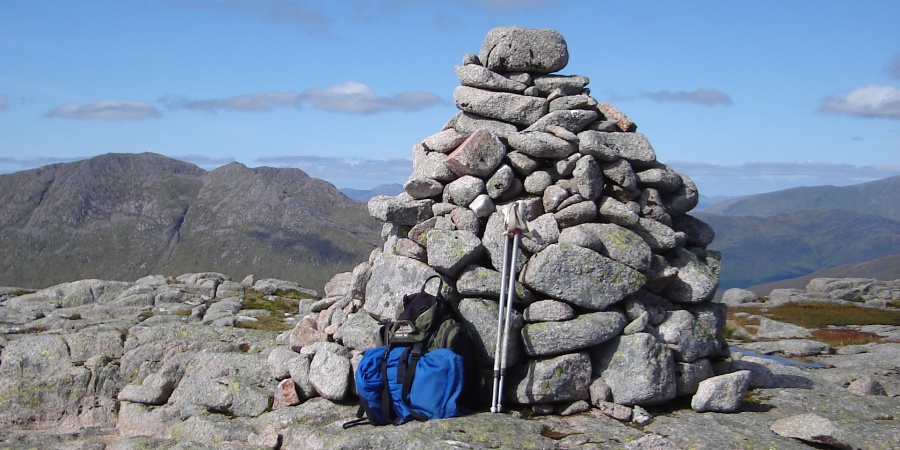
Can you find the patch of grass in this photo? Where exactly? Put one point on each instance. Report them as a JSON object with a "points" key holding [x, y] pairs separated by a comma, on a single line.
{"points": [[838, 337], [74, 316], [267, 323], [182, 312], [279, 307], [730, 332], [821, 315], [894, 303], [296, 295], [19, 292]]}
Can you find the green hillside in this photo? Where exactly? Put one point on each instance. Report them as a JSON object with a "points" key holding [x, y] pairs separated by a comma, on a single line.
{"points": [[879, 198], [759, 250]]}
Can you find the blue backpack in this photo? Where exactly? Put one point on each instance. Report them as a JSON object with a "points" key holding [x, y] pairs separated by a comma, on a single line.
{"points": [[423, 369]]}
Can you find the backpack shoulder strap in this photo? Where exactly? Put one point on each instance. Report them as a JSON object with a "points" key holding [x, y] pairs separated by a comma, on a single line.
{"points": [[408, 373], [440, 286]]}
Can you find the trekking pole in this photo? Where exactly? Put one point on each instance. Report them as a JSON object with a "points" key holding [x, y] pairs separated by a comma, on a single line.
{"points": [[500, 326], [515, 225]]}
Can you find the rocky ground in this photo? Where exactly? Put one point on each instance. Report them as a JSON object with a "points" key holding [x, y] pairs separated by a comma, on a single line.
{"points": [[91, 365]]}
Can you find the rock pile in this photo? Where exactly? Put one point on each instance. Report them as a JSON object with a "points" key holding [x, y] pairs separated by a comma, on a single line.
{"points": [[867, 292], [614, 288]]}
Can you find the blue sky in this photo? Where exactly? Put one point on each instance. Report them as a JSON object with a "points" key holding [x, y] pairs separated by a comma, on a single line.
{"points": [[744, 97]]}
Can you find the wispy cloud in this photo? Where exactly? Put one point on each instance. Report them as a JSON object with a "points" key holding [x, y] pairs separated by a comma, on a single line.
{"points": [[8, 165], [893, 67], [872, 101], [706, 97], [357, 98], [105, 110], [347, 172], [351, 97], [4, 103], [759, 177], [262, 101], [304, 15]]}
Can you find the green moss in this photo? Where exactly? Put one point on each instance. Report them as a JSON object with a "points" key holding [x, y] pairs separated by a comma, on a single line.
{"points": [[19, 292]]}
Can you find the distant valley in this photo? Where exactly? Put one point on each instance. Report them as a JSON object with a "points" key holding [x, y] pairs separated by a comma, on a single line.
{"points": [[791, 233]]}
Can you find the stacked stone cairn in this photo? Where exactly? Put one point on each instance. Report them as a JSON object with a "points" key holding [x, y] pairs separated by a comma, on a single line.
{"points": [[613, 294]]}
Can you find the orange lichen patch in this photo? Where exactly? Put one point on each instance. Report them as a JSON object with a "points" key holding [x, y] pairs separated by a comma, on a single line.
{"points": [[842, 336], [820, 315]]}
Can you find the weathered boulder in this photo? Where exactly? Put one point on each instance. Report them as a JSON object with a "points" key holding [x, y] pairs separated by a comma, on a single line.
{"points": [[479, 155], [562, 378], [587, 330], [723, 393], [402, 210], [738, 296], [392, 277], [814, 429], [684, 335], [580, 276], [610, 240], [637, 368], [329, 375], [512, 49], [505, 106], [773, 329], [480, 316], [450, 251], [477, 76], [548, 311]]}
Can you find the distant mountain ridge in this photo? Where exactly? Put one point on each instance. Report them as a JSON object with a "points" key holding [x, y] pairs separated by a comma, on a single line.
{"points": [[879, 197], [758, 250], [123, 216], [786, 234], [364, 195]]}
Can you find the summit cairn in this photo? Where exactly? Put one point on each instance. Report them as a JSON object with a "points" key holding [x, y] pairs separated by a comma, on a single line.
{"points": [[614, 286]]}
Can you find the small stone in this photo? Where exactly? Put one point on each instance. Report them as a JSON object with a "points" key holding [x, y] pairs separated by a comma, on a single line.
{"points": [[865, 386], [812, 428], [285, 394], [621, 413], [724, 393], [640, 416]]}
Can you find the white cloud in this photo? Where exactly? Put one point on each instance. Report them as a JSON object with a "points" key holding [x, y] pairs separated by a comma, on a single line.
{"points": [[872, 101], [105, 110], [9, 165], [263, 101], [3, 102], [351, 97], [347, 172], [357, 98], [707, 97]]}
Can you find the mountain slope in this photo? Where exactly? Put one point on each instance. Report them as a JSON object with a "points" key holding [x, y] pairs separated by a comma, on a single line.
{"points": [[123, 216], [878, 198], [884, 269], [758, 250]]}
